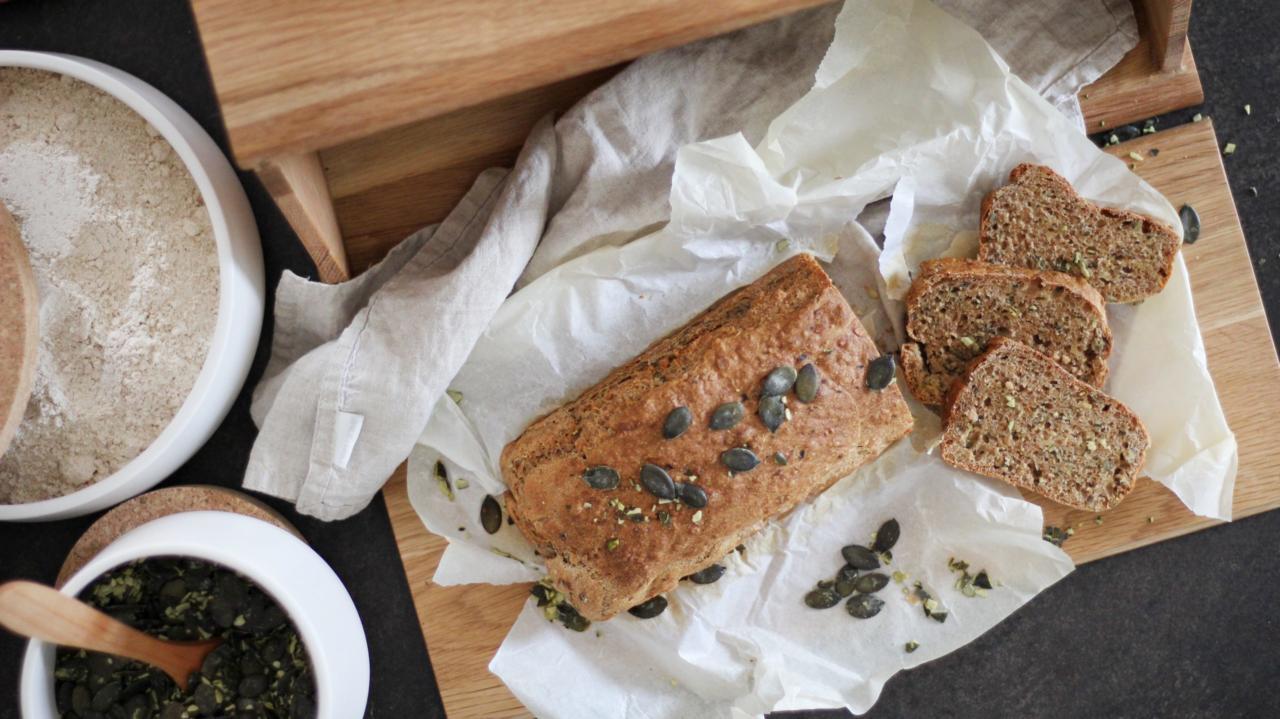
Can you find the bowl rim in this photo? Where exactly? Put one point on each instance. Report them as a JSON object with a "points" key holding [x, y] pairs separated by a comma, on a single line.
{"points": [[117, 84], [309, 633]]}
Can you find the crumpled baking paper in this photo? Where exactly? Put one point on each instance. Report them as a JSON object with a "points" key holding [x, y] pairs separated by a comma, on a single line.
{"points": [[908, 102]]}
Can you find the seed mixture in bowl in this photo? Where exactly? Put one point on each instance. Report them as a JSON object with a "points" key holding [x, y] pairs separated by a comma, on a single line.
{"points": [[260, 670], [127, 271]]}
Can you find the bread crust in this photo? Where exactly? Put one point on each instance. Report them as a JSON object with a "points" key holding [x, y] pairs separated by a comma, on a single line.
{"points": [[790, 316]]}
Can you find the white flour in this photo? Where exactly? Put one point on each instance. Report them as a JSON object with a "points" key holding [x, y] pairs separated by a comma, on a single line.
{"points": [[127, 271]]}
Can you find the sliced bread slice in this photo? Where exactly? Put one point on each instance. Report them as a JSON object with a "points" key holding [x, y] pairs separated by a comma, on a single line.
{"points": [[1019, 417], [1039, 221], [956, 306]]}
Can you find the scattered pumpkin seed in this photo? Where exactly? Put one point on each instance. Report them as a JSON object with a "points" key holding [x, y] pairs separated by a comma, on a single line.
{"points": [[779, 381], [454, 395], [1055, 536], [807, 383], [601, 477], [571, 619], [677, 421], [664, 516], [463, 483], [707, 575], [822, 598], [859, 557], [880, 373], [612, 544], [442, 480], [697, 517], [1229, 149], [490, 514], [911, 646], [739, 459], [1190, 224], [649, 608], [871, 583], [982, 581], [1248, 109], [692, 495], [772, 412], [846, 580], [864, 606], [886, 536], [780, 459], [657, 482], [727, 415]]}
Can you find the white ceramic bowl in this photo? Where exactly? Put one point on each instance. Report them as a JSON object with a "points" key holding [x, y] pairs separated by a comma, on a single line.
{"points": [[278, 562], [241, 291]]}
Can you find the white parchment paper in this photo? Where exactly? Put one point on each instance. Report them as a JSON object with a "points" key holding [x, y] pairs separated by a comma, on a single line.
{"points": [[907, 102]]}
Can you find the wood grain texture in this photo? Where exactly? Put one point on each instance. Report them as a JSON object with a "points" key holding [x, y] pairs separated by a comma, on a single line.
{"points": [[298, 184], [19, 328], [465, 625], [1135, 89], [1166, 24], [295, 76]]}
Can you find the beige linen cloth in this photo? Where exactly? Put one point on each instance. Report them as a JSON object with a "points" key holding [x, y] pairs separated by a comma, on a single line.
{"points": [[356, 368]]}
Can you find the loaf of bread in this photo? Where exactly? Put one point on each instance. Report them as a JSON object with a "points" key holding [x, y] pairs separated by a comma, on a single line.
{"points": [[954, 307], [610, 535], [1039, 221], [1016, 415]]}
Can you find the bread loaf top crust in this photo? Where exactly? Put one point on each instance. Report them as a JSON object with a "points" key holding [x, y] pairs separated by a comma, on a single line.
{"points": [[608, 550]]}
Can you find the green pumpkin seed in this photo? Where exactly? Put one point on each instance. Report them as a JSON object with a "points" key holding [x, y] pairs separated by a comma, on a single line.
{"points": [[707, 575], [886, 536], [677, 421], [490, 514], [727, 415], [864, 606], [846, 580], [692, 495], [779, 381], [911, 646], [807, 383], [880, 373], [658, 483], [780, 459], [1190, 224], [871, 583], [772, 412], [601, 477], [650, 608], [543, 594], [739, 459], [570, 618], [859, 557], [822, 598], [442, 480]]}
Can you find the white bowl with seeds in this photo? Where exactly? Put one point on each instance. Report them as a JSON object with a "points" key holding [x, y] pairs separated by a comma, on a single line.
{"points": [[149, 268]]}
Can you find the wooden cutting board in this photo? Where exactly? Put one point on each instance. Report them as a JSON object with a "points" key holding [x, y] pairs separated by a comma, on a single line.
{"points": [[463, 626]]}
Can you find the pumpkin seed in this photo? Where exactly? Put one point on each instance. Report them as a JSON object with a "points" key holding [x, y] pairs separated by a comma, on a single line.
{"points": [[779, 381], [727, 415], [859, 557], [612, 544], [490, 514], [911, 646], [739, 459], [677, 421], [601, 477], [772, 412], [846, 580], [543, 593], [822, 598], [707, 575], [807, 383], [442, 480], [649, 608], [886, 536], [864, 606], [658, 483], [1190, 224], [780, 459], [570, 618], [871, 583], [880, 373], [982, 581], [692, 495]]}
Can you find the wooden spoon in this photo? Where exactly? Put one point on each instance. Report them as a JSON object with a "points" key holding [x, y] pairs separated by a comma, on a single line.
{"points": [[41, 612], [19, 313]]}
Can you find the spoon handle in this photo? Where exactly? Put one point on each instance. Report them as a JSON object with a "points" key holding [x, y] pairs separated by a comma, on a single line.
{"points": [[41, 612]]}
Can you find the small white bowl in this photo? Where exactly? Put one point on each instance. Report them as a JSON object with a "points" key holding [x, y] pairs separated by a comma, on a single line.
{"points": [[282, 565], [241, 291]]}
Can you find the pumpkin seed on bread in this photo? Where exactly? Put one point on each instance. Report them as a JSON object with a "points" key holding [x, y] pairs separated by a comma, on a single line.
{"points": [[1039, 221], [955, 307], [1019, 417]]}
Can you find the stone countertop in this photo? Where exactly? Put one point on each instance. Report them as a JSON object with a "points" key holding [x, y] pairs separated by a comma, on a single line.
{"points": [[1185, 628]]}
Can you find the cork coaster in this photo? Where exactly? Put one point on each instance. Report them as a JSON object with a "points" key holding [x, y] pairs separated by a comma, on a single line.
{"points": [[19, 333], [161, 503]]}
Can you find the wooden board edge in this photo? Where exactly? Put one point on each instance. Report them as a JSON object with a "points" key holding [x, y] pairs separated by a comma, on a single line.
{"points": [[1135, 89]]}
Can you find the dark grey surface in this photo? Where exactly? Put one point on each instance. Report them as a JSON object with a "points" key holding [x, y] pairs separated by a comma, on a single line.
{"points": [[1185, 628]]}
